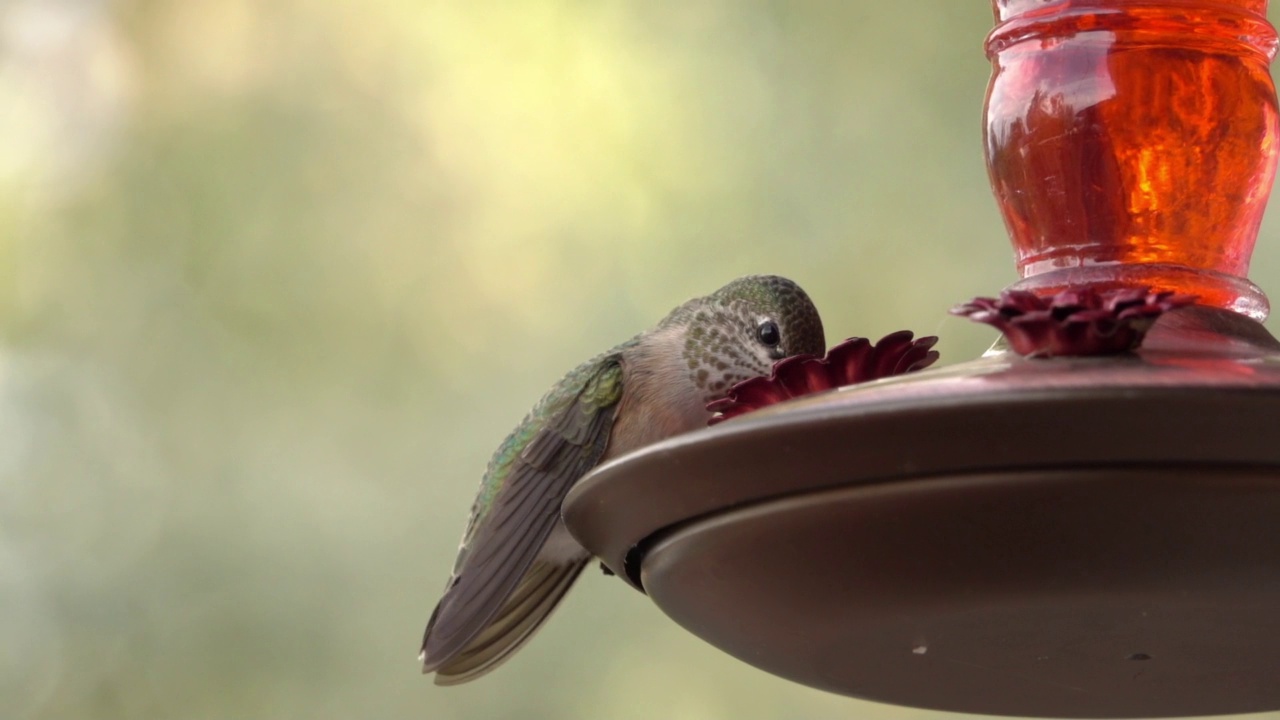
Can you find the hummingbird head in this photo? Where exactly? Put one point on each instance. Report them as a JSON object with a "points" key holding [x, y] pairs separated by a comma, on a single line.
{"points": [[742, 329]]}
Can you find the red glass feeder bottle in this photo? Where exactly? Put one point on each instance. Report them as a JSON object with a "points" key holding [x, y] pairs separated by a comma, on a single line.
{"points": [[1046, 532], [1134, 142]]}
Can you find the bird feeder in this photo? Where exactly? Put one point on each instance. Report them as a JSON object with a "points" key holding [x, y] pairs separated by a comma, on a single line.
{"points": [[1047, 530]]}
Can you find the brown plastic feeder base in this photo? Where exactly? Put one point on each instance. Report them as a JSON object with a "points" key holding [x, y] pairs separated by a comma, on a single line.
{"points": [[1066, 538]]}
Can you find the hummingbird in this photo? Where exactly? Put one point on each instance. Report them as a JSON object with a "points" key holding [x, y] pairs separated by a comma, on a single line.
{"points": [[517, 559]]}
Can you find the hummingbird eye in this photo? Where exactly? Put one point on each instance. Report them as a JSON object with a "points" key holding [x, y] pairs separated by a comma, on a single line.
{"points": [[768, 333]]}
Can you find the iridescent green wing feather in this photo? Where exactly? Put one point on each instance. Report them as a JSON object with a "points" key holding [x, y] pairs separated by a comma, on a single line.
{"points": [[562, 438]]}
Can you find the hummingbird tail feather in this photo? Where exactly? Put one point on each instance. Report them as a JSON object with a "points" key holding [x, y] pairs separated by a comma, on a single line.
{"points": [[529, 606]]}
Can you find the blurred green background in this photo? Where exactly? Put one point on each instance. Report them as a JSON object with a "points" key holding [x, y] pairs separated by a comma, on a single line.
{"points": [[275, 279]]}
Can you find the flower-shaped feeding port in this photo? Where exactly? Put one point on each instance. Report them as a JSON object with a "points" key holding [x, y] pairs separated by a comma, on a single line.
{"points": [[1080, 322], [853, 361]]}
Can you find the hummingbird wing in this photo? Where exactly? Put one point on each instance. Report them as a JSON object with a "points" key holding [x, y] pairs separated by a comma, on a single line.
{"points": [[537, 595], [500, 592]]}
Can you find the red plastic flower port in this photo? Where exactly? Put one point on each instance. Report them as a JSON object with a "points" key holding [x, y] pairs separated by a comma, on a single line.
{"points": [[853, 361], [1073, 322]]}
